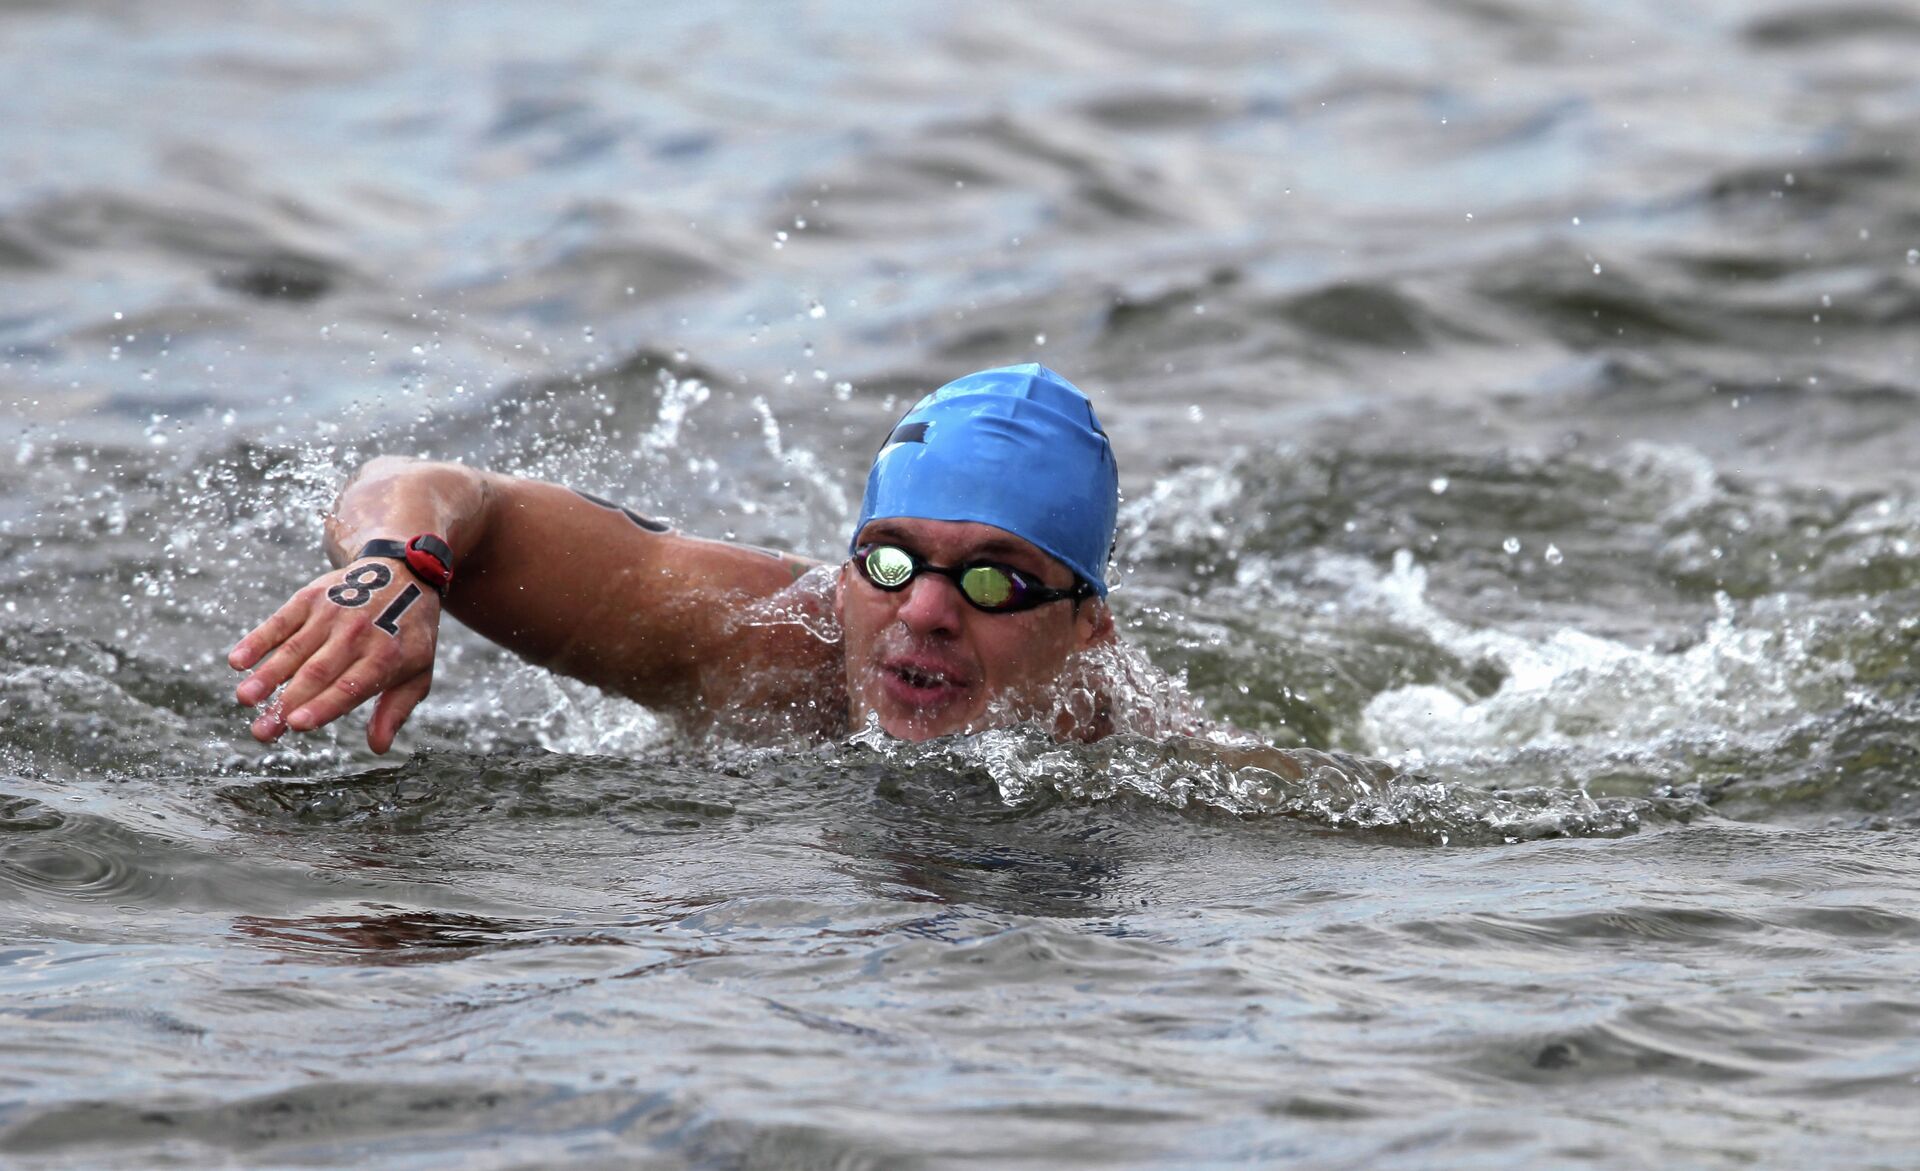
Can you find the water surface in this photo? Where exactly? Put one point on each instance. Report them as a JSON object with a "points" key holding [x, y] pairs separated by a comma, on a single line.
{"points": [[1520, 393]]}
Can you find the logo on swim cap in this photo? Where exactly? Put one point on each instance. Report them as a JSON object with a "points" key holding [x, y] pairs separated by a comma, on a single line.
{"points": [[1018, 448]]}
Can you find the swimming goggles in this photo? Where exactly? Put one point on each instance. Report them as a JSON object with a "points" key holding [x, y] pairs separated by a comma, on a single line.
{"points": [[986, 585]]}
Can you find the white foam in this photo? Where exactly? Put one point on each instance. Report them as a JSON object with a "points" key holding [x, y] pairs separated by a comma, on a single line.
{"points": [[1574, 689]]}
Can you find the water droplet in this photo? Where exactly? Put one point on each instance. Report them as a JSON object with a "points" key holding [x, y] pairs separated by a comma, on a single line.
{"points": [[1576, 221], [1438, 485], [1511, 545], [1913, 256], [118, 316], [1195, 414], [1039, 339], [1596, 268], [816, 310], [1469, 217], [1554, 556]]}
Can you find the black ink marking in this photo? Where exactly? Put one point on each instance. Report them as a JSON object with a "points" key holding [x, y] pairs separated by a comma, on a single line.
{"points": [[358, 587], [645, 522], [389, 619]]}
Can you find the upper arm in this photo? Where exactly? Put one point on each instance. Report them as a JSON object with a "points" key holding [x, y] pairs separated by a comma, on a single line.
{"points": [[601, 594]]}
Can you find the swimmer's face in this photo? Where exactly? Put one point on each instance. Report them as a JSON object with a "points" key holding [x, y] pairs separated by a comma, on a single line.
{"points": [[925, 662]]}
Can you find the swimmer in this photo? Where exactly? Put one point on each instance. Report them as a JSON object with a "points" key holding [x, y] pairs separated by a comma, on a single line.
{"points": [[975, 584]]}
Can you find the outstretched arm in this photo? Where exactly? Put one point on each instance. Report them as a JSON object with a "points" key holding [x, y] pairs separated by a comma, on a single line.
{"points": [[575, 585]]}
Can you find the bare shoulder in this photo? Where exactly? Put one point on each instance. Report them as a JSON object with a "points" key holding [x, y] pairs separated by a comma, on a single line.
{"points": [[783, 672]]}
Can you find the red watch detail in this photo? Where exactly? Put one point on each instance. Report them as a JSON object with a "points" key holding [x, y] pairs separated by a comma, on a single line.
{"points": [[431, 559]]}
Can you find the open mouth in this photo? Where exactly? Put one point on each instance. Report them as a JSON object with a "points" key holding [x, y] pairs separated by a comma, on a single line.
{"points": [[922, 684], [917, 677]]}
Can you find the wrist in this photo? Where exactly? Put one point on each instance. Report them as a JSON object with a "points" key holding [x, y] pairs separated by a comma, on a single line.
{"points": [[426, 555]]}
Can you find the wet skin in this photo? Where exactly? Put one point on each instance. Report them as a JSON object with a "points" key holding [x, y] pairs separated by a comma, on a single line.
{"points": [[710, 633], [925, 662]]}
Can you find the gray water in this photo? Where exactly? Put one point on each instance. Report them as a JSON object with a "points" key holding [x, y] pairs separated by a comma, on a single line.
{"points": [[1520, 393]]}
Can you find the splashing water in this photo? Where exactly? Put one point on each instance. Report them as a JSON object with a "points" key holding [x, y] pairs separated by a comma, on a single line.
{"points": [[1576, 695]]}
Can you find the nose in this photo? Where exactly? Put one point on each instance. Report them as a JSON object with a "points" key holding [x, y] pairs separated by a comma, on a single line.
{"points": [[932, 606]]}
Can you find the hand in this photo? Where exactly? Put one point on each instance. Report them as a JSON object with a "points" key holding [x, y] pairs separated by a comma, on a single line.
{"points": [[369, 629]]}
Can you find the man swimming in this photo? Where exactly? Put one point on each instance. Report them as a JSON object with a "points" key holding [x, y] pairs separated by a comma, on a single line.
{"points": [[974, 588]]}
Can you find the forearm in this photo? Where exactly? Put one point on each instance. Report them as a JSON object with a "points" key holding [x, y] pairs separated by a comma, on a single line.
{"points": [[573, 585], [395, 498]]}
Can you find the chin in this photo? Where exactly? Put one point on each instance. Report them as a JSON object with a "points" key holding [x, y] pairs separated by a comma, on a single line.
{"points": [[917, 724]]}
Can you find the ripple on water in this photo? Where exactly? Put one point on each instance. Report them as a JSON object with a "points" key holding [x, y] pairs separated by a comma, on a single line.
{"points": [[355, 1123], [69, 856], [1822, 1050], [71, 863]]}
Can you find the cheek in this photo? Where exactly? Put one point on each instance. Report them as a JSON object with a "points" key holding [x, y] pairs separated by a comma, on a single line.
{"points": [[1021, 654], [841, 595], [860, 619]]}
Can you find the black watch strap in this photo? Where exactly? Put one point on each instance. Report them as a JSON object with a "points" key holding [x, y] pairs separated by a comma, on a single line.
{"points": [[394, 549]]}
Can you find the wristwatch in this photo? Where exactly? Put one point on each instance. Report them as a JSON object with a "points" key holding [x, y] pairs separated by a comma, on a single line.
{"points": [[427, 555]]}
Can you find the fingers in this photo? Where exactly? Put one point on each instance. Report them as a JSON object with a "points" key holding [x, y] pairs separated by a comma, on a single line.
{"points": [[358, 683], [394, 708], [310, 703], [286, 658], [328, 665], [339, 678], [270, 634], [327, 657], [315, 676]]}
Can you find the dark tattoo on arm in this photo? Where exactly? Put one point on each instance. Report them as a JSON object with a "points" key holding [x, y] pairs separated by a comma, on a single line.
{"points": [[795, 566], [645, 522]]}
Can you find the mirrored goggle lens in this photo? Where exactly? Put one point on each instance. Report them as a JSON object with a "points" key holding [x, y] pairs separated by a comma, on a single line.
{"points": [[988, 586], [890, 568]]}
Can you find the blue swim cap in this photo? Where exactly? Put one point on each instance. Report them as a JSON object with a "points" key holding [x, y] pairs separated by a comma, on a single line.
{"points": [[1018, 448]]}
